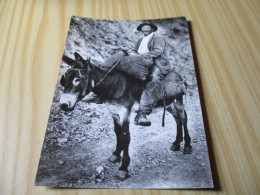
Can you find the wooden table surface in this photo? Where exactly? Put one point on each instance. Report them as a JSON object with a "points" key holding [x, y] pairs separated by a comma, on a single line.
{"points": [[226, 37]]}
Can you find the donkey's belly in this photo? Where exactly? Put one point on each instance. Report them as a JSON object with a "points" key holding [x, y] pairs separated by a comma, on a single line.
{"points": [[118, 112]]}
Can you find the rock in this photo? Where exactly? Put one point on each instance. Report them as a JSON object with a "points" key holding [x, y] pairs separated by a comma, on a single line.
{"points": [[55, 118], [106, 167], [61, 162], [100, 170], [99, 180], [62, 140], [102, 176]]}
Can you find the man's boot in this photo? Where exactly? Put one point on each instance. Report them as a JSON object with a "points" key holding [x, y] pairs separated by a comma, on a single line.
{"points": [[141, 119]]}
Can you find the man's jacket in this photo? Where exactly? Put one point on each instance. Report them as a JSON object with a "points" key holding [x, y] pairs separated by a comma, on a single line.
{"points": [[157, 51]]}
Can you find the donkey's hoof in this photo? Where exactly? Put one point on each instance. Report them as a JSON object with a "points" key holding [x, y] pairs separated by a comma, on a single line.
{"points": [[121, 175], [187, 150], [175, 148], [113, 158]]}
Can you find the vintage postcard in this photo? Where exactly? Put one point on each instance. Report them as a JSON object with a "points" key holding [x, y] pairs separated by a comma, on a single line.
{"points": [[126, 111]]}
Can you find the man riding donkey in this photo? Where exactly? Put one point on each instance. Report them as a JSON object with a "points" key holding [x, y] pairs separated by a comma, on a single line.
{"points": [[150, 47], [153, 47]]}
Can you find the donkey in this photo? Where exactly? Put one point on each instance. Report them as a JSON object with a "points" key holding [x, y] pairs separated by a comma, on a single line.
{"points": [[124, 90]]}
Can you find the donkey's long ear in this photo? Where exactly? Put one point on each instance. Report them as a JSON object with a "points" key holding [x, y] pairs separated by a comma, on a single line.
{"points": [[88, 63], [78, 57], [63, 81], [68, 60]]}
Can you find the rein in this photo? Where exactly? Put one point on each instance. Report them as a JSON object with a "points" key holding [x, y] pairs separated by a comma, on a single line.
{"points": [[109, 71]]}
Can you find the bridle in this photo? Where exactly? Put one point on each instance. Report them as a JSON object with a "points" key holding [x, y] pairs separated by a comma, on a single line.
{"points": [[84, 78], [83, 75]]}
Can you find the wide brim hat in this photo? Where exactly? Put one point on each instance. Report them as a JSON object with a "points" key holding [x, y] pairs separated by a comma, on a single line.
{"points": [[139, 28]]}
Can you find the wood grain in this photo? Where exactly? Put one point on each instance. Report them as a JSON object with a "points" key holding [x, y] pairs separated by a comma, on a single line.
{"points": [[226, 36]]}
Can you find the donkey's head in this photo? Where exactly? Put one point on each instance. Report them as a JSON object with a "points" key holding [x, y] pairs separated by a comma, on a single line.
{"points": [[74, 82]]}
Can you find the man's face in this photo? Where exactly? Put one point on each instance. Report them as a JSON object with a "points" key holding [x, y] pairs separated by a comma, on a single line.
{"points": [[146, 30]]}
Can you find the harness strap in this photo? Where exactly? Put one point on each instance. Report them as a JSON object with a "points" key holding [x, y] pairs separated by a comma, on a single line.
{"points": [[83, 81], [164, 110], [164, 107], [110, 70]]}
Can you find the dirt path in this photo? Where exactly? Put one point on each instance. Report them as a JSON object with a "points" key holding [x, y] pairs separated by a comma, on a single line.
{"points": [[79, 143]]}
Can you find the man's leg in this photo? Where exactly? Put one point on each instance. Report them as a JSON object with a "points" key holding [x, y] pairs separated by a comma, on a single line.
{"points": [[151, 95]]}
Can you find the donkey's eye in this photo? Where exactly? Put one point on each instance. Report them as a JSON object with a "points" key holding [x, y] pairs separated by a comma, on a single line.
{"points": [[76, 81]]}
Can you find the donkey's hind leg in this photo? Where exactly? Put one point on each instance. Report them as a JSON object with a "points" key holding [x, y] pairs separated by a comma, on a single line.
{"points": [[179, 136], [178, 104], [187, 146], [180, 115]]}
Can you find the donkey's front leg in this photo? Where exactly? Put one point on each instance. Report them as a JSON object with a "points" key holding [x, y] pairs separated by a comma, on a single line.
{"points": [[125, 140], [121, 125], [115, 157]]}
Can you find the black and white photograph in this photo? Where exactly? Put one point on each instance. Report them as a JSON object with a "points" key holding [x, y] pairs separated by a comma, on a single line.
{"points": [[126, 111]]}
